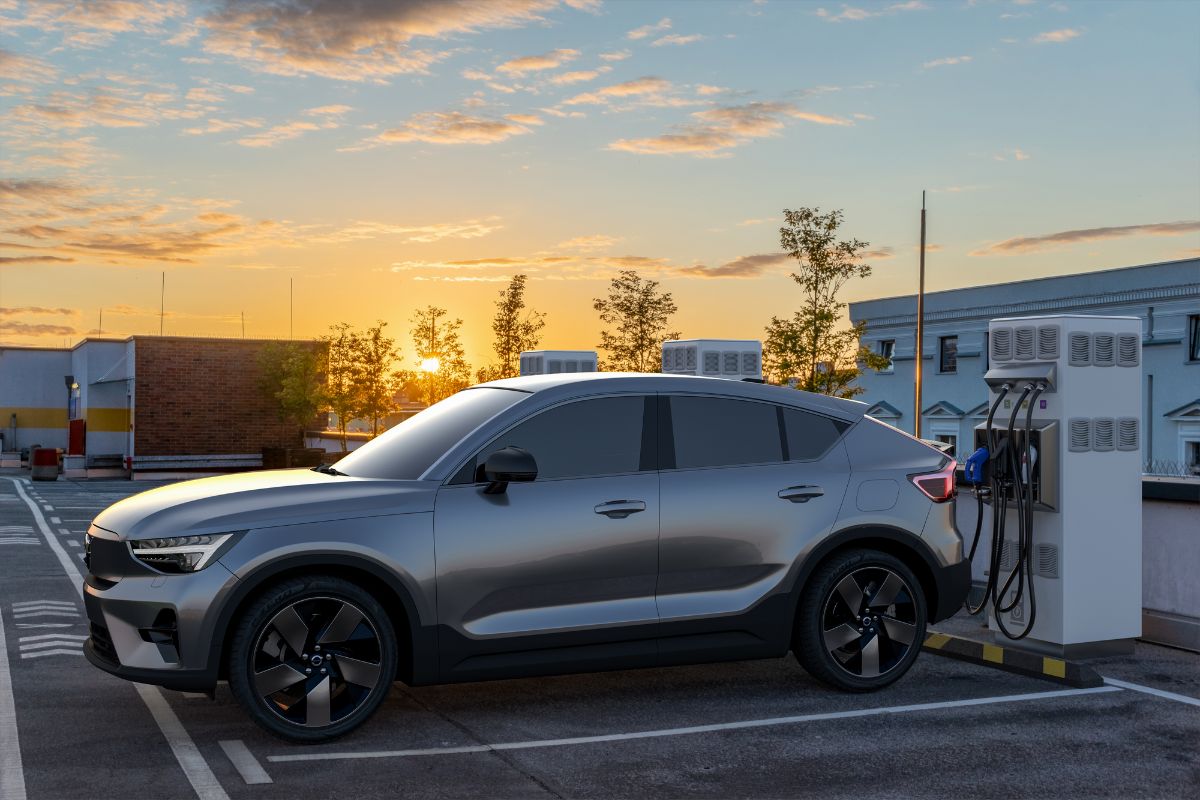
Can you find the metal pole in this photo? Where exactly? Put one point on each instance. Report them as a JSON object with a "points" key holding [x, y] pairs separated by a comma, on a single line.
{"points": [[291, 307], [100, 327], [162, 304], [920, 327], [243, 324]]}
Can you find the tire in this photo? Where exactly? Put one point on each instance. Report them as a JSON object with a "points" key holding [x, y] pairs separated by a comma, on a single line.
{"points": [[348, 647], [871, 645]]}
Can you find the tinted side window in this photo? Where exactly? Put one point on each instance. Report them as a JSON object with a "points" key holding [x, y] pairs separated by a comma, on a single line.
{"points": [[588, 437], [808, 435], [715, 432]]}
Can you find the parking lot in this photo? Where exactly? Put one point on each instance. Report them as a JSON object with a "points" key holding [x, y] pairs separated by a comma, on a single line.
{"points": [[760, 728]]}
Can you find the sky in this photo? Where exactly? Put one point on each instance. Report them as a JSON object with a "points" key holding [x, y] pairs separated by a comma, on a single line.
{"points": [[381, 155]]}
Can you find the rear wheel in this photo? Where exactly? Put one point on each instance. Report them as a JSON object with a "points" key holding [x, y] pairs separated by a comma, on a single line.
{"points": [[312, 658], [861, 621]]}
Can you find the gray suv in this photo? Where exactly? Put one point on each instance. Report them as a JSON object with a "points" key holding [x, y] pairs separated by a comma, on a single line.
{"points": [[531, 526]]}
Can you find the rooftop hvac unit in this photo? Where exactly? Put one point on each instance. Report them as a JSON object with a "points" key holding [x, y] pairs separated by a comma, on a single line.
{"points": [[739, 359], [551, 362]]}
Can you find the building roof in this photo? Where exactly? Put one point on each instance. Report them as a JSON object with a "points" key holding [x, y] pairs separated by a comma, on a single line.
{"points": [[1062, 293]]}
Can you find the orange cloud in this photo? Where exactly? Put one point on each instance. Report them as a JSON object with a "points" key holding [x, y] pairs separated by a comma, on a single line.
{"points": [[525, 64], [1058, 36], [638, 86], [1034, 244], [677, 39], [451, 127], [663, 24]]}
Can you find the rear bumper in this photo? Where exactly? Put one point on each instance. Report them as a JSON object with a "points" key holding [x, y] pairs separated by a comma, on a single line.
{"points": [[953, 583]]}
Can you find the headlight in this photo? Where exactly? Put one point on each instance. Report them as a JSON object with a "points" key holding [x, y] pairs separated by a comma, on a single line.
{"points": [[178, 553]]}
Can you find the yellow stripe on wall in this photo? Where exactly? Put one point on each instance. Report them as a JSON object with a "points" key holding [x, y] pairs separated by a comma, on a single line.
{"points": [[34, 417], [107, 420]]}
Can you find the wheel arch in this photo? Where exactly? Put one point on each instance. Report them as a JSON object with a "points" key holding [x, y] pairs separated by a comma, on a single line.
{"points": [[417, 661]]}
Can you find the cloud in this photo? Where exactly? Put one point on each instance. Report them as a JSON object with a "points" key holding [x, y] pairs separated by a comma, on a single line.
{"points": [[1013, 154], [746, 223], [722, 128], [278, 133], [1054, 37], [594, 242], [525, 119], [616, 55], [578, 76], [526, 64], [329, 111], [37, 329], [367, 40], [423, 234], [95, 22], [677, 39], [638, 86], [705, 90], [946, 62], [743, 267], [38, 311], [1049, 241], [855, 14], [449, 127], [880, 253], [14, 67], [214, 125], [663, 24], [35, 260]]}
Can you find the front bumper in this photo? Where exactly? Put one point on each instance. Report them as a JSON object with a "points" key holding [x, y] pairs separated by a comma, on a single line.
{"points": [[150, 627]]}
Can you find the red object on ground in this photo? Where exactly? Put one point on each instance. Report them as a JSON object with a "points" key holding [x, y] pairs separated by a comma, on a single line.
{"points": [[44, 457], [76, 437]]}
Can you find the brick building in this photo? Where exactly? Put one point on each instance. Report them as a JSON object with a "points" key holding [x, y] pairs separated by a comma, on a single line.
{"points": [[145, 405]]}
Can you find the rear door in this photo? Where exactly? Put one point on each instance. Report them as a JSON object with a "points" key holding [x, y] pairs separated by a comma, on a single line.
{"points": [[746, 487], [558, 573]]}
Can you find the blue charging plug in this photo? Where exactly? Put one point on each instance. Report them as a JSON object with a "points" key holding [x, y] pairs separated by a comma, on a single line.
{"points": [[973, 472]]}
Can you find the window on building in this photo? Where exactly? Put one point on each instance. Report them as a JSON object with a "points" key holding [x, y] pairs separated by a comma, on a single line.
{"points": [[948, 354], [717, 432], [1191, 454], [887, 349], [1194, 337]]}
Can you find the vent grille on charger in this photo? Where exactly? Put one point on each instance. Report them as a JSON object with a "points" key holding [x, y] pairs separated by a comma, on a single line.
{"points": [[1127, 350], [712, 361], [1047, 343], [1080, 350], [1024, 344], [1104, 350], [1001, 340], [1103, 434], [1080, 435], [1127, 433], [1047, 560]]}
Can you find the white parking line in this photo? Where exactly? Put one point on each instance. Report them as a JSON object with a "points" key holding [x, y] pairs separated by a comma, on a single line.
{"points": [[194, 767], [12, 774], [244, 761], [722, 726], [1137, 687]]}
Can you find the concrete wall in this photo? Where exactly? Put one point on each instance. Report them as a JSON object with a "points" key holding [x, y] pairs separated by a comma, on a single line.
{"points": [[1162, 295], [32, 387], [102, 372]]}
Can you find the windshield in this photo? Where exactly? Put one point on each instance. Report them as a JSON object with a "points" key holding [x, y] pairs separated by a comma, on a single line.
{"points": [[410, 448]]}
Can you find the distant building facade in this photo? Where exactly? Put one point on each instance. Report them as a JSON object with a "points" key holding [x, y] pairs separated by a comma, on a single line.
{"points": [[1165, 296], [145, 403]]}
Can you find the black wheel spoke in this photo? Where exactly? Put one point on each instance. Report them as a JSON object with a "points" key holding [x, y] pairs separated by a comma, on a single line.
{"points": [[869, 622], [330, 667]]}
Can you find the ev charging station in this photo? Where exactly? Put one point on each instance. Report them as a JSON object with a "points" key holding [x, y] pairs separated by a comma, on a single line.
{"points": [[1059, 464], [739, 359]]}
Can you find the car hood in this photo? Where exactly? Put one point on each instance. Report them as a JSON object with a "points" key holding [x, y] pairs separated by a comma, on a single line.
{"points": [[260, 500]]}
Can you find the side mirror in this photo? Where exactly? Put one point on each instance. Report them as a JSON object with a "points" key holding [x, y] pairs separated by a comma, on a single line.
{"points": [[510, 464]]}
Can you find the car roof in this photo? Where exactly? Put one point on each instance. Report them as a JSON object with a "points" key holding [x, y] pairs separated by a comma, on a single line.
{"points": [[580, 384]]}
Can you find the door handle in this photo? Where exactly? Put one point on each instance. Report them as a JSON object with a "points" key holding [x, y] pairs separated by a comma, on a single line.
{"points": [[620, 509], [800, 494]]}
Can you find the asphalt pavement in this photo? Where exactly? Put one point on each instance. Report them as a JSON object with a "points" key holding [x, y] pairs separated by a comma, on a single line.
{"points": [[748, 729]]}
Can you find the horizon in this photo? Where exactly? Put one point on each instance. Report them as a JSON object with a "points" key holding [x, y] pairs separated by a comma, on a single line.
{"points": [[240, 146]]}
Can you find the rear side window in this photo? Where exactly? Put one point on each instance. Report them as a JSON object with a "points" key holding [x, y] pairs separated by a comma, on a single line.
{"points": [[601, 436], [808, 435], [720, 432]]}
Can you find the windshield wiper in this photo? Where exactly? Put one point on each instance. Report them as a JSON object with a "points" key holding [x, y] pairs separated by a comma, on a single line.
{"points": [[329, 469]]}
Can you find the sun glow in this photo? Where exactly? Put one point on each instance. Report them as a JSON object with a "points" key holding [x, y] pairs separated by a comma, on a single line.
{"points": [[430, 365]]}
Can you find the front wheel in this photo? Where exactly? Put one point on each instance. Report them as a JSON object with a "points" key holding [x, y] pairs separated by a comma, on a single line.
{"points": [[312, 658], [861, 621]]}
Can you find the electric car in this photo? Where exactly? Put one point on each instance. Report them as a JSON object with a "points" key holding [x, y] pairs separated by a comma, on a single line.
{"points": [[537, 525]]}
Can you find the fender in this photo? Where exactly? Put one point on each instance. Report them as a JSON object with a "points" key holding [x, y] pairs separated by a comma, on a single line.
{"points": [[422, 640]]}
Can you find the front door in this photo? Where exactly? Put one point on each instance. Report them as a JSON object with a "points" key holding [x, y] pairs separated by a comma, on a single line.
{"points": [[559, 573]]}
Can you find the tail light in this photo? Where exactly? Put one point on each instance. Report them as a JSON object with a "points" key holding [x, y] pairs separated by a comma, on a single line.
{"points": [[937, 486]]}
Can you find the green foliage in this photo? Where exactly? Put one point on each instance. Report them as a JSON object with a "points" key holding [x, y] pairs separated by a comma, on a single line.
{"points": [[377, 382], [515, 330], [436, 337], [809, 351], [640, 314], [293, 377], [341, 374]]}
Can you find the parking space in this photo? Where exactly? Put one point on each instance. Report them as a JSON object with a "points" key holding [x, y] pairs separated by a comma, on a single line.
{"points": [[760, 728]]}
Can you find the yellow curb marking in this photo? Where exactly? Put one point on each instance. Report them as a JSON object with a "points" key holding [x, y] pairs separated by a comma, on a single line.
{"points": [[993, 653], [936, 640], [1054, 666]]}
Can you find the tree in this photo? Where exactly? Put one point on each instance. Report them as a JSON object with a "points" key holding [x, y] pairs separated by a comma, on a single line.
{"points": [[292, 376], [515, 331], [641, 314], [809, 350], [342, 367], [442, 368], [377, 382]]}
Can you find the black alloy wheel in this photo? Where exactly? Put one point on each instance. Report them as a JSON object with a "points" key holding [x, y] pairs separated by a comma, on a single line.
{"points": [[862, 622], [313, 658]]}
